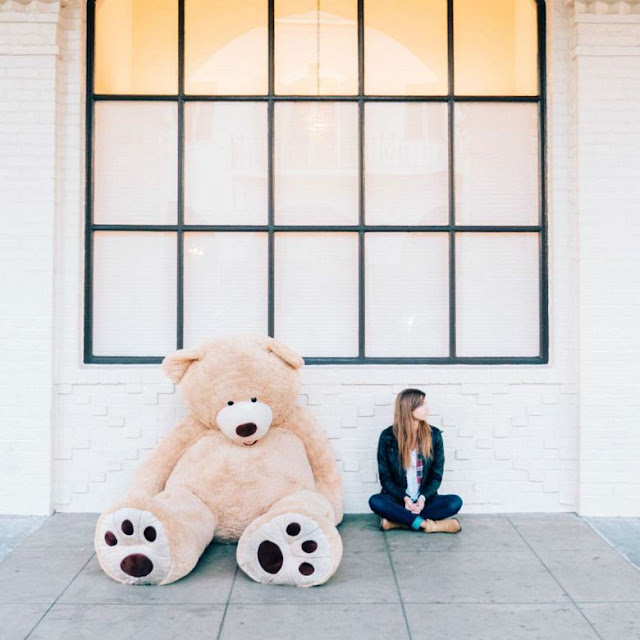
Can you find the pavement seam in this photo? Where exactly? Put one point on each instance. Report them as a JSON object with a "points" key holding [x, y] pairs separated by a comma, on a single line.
{"points": [[44, 615], [575, 604], [395, 579], [226, 606]]}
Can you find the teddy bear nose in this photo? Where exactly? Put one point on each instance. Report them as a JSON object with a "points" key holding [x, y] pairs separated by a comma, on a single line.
{"points": [[246, 429]]}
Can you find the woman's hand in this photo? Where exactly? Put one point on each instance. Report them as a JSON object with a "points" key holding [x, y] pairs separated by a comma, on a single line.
{"points": [[414, 507]]}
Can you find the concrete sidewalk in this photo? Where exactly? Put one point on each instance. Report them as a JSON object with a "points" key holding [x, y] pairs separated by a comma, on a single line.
{"points": [[503, 576]]}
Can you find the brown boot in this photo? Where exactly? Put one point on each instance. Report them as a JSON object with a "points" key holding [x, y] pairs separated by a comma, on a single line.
{"points": [[449, 525], [387, 525]]}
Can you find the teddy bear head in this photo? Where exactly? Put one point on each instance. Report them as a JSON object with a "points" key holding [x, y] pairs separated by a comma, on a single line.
{"points": [[241, 385]]}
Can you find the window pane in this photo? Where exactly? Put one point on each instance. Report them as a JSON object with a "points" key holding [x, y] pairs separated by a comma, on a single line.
{"points": [[497, 166], [316, 47], [136, 46], [495, 47], [225, 176], [406, 163], [316, 293], [134, 293], [225, 286], [497, 294], [226, 47], [407, 294], [316, 171], [135, 163], [405, 47]]}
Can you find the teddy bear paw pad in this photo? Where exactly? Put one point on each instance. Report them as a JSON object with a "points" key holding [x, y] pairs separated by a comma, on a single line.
{"points": [[289, 549], [133, 547]]}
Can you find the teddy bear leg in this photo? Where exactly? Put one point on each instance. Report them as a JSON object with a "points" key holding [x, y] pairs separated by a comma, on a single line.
{"points": [[293, 543], [155, 539]]}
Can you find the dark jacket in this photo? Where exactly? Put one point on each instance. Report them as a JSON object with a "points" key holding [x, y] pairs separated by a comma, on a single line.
{"points": [[393, 477]]}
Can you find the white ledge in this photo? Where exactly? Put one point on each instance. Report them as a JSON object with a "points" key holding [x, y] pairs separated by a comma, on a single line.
{"points": [[604, 7], [28, 5], [30, 10]]}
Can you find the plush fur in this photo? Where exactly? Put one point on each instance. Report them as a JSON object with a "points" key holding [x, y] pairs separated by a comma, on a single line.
{"points": [[247, 464]]}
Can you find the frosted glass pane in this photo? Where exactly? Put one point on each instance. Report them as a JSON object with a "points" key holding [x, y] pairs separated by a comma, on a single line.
{"points": [[316, 293], [497, 166], [225, 285], [405, 47], [226, 47], [135, 163], [406, 164], [495, 47], [136, 46], [407, 294], [134, 294], [497, 294], [316, 47], [225, 176], [316, 170]]}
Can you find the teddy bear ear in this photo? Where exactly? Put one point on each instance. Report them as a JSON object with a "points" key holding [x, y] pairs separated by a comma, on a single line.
{"points": [[284, 353], [175, 365]]}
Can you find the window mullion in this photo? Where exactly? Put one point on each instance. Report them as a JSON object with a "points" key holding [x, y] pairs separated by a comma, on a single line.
{"points": [[180, 233], [361, 202], [452, 217], [89, 180], [270, 174], [542, 107]]}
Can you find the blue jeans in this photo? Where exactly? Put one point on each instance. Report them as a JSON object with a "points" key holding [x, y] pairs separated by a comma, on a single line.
{"points": [[438, 508]]}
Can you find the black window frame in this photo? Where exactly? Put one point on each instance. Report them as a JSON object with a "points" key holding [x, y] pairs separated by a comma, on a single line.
{"points": [[180, 228]]}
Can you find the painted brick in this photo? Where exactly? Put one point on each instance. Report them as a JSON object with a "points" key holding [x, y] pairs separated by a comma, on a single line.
{"points": [[528, 421]]}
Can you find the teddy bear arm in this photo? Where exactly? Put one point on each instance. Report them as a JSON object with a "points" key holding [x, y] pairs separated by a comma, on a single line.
{"points": [[320, 455], [151, 476]]}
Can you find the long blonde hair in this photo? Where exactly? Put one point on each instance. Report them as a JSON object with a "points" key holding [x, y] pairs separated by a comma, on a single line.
{"points": [[406, 402]]}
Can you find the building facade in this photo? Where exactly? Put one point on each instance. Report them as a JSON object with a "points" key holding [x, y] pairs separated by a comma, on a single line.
{"points": [[556, 435]]}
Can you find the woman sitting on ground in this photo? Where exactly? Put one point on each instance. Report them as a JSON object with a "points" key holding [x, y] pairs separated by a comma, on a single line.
{"points": [[410, 467]]}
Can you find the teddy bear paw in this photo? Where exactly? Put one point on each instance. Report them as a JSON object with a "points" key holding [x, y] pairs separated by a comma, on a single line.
{"points": [[289, 549], [133, 547]]}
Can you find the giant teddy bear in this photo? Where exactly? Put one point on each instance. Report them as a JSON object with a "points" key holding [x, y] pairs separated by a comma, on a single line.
{"points": [[247, 464]]}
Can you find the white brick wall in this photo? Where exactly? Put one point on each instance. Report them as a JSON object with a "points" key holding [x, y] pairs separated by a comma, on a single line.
{"points": [[27, 162], [607, 71], [511, 433]]}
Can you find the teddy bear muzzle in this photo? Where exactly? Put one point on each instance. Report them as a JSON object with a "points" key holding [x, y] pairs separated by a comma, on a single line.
{"points": [[245, 422]]}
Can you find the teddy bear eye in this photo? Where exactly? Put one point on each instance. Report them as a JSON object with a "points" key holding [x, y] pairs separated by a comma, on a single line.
{"points": [[230, 402], [254, 399]]}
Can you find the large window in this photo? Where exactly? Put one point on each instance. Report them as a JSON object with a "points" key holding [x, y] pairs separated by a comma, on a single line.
{"points": [[362, 179]]}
